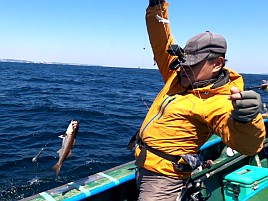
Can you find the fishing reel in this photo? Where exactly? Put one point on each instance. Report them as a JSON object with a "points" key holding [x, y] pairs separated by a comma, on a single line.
{"points": [[196, 191], [176, 50]]}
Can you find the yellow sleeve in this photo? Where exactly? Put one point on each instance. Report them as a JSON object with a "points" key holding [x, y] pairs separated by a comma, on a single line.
{"points": [[246, 138], [160, 38]]}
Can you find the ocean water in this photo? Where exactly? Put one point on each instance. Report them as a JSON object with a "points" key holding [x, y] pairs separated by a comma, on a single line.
{"points": [[37, 103]]}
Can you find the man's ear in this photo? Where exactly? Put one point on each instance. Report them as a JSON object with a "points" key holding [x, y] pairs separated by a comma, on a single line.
{"points": [[218, 64]]}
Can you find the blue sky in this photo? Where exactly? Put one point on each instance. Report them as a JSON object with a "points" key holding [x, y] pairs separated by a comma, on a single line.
{"points": [[113, 32]]}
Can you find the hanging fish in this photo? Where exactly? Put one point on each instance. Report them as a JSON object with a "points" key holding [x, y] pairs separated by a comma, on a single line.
{"points": [[68, 140]]}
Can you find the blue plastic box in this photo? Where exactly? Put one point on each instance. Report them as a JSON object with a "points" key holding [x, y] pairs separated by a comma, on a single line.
{"points": [[243, 181]]}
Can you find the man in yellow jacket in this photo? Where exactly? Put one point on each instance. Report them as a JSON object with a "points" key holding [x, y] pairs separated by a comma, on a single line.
{"points": [[201, 97]]}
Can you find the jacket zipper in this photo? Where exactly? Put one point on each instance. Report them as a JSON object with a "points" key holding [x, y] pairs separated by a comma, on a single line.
{"points": [[161, 112]]}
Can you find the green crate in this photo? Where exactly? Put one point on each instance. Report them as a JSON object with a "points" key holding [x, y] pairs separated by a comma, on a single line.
{"points": [[243, 181]]}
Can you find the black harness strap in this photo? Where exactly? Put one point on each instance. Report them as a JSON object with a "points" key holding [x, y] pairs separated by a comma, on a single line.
{"points": [[161, 154], [173, 159], [136, 140]]}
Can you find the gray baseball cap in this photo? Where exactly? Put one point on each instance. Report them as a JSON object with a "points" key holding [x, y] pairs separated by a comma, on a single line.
{"points": [[198, 47]]}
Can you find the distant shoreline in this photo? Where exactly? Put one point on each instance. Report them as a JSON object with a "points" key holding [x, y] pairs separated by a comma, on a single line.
{"points": [[71, 64], [89, 65]]}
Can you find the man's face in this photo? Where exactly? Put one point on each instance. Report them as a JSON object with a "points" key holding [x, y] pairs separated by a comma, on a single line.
{"points": [[198, 72]]}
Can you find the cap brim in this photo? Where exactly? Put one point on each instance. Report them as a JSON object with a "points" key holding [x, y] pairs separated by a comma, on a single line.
{"points": [[192, 59]]}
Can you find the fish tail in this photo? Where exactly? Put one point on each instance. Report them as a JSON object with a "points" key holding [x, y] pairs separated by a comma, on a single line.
{"points": [[57, 168]]}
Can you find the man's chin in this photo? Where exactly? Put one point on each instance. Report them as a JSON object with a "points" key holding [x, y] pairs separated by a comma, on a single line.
{"points": [[185, 83], [184, 80]]}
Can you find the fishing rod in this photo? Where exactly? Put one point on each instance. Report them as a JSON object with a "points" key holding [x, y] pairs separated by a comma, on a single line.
{"points": [[132, 141], [145, 104], [262, 87], [196, 184]]}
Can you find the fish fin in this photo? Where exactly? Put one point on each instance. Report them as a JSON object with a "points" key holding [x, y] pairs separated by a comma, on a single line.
{"points": [[69, 154], [62, 136], [57, 168], [59, 152]]}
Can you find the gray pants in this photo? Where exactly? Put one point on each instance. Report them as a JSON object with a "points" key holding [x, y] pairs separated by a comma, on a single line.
{"points": [[155, 187]]}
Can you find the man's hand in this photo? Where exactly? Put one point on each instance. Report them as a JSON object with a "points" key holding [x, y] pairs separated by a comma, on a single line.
{"points": [[247, 105], [152, 3]]}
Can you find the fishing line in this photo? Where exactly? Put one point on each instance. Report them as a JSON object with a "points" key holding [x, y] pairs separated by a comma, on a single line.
{"points": [[197, 91], [42, 149], [165, 21]]}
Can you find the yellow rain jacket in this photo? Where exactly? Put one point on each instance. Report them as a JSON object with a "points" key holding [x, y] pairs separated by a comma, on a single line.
{"points": [[180, 123]]}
